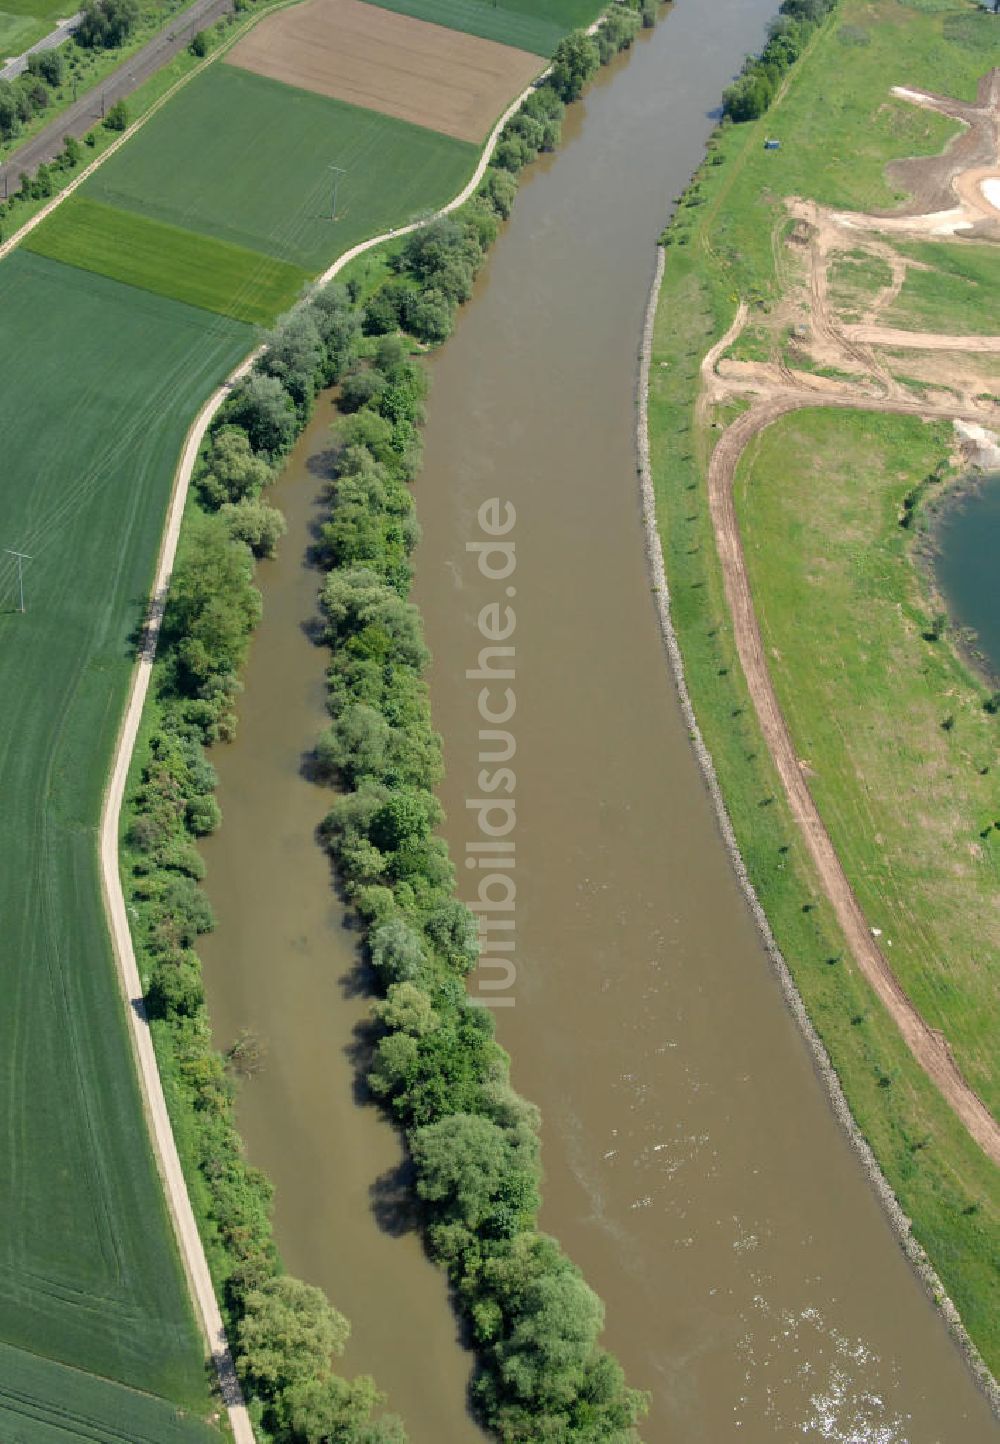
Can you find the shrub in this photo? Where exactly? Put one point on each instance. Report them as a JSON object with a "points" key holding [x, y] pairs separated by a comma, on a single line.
{"points": [[361, 388], [257, 525], [384, 310], [48, 65], [71, 153], [293, 356], [231, 470], [203, 815], [106, 23], [212, 607], [748, 98], [500, 188], [429, 316], [117, 117]]}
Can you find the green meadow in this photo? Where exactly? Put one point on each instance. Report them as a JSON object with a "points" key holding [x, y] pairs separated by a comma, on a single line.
{"points": [[168, 260], [247, 160], [844, 606], [23, 22], [100, 382], [536, 25], [952, 288], [19, 32]]}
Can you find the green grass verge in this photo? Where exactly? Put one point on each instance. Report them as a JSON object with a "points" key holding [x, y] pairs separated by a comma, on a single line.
{"points": [[169, 261], [956, 294], [263, 181], [839, 127], [100, 382], [48, 10], [536, 25], [42, 1402]]}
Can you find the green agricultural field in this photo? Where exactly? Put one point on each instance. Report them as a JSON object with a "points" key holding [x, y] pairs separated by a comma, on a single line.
{"points": [[536, 25], [247, 160], [48, 10], [171, 261], [42, 1402], [839, 128], [100, 382]]}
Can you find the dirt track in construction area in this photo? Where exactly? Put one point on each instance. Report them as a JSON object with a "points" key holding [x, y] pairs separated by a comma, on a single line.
{"points": [[952, 185], [442, 79]]}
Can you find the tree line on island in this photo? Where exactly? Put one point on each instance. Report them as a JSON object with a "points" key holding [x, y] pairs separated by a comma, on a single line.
{"points": [[435, 1065]]}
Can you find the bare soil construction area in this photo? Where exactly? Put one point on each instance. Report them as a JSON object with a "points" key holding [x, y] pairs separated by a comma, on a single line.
{"points": [[425, 74]]}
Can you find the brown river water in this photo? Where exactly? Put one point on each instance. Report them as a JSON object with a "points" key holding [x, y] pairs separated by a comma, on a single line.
{"points": [[693, 1166]]}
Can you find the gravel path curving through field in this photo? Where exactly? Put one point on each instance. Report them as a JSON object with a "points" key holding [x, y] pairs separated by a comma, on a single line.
{"points": [[165, 1148]]}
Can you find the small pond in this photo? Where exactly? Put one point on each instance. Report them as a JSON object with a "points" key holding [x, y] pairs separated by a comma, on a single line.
{"points": [[968, 566]]}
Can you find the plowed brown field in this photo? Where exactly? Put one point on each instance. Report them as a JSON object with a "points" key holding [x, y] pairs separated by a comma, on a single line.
{"points": [[426, 74]]}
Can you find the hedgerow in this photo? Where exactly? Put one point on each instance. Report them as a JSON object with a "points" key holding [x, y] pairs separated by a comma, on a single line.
{"points": [[436, 1066], [749, 97]]}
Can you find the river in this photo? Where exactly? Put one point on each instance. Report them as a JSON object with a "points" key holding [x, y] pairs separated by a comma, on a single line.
{"points": [[693, 1167]]}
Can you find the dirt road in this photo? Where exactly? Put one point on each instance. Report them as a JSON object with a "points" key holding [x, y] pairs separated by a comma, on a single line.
{"points": [[775, 389], [919, 340]]}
